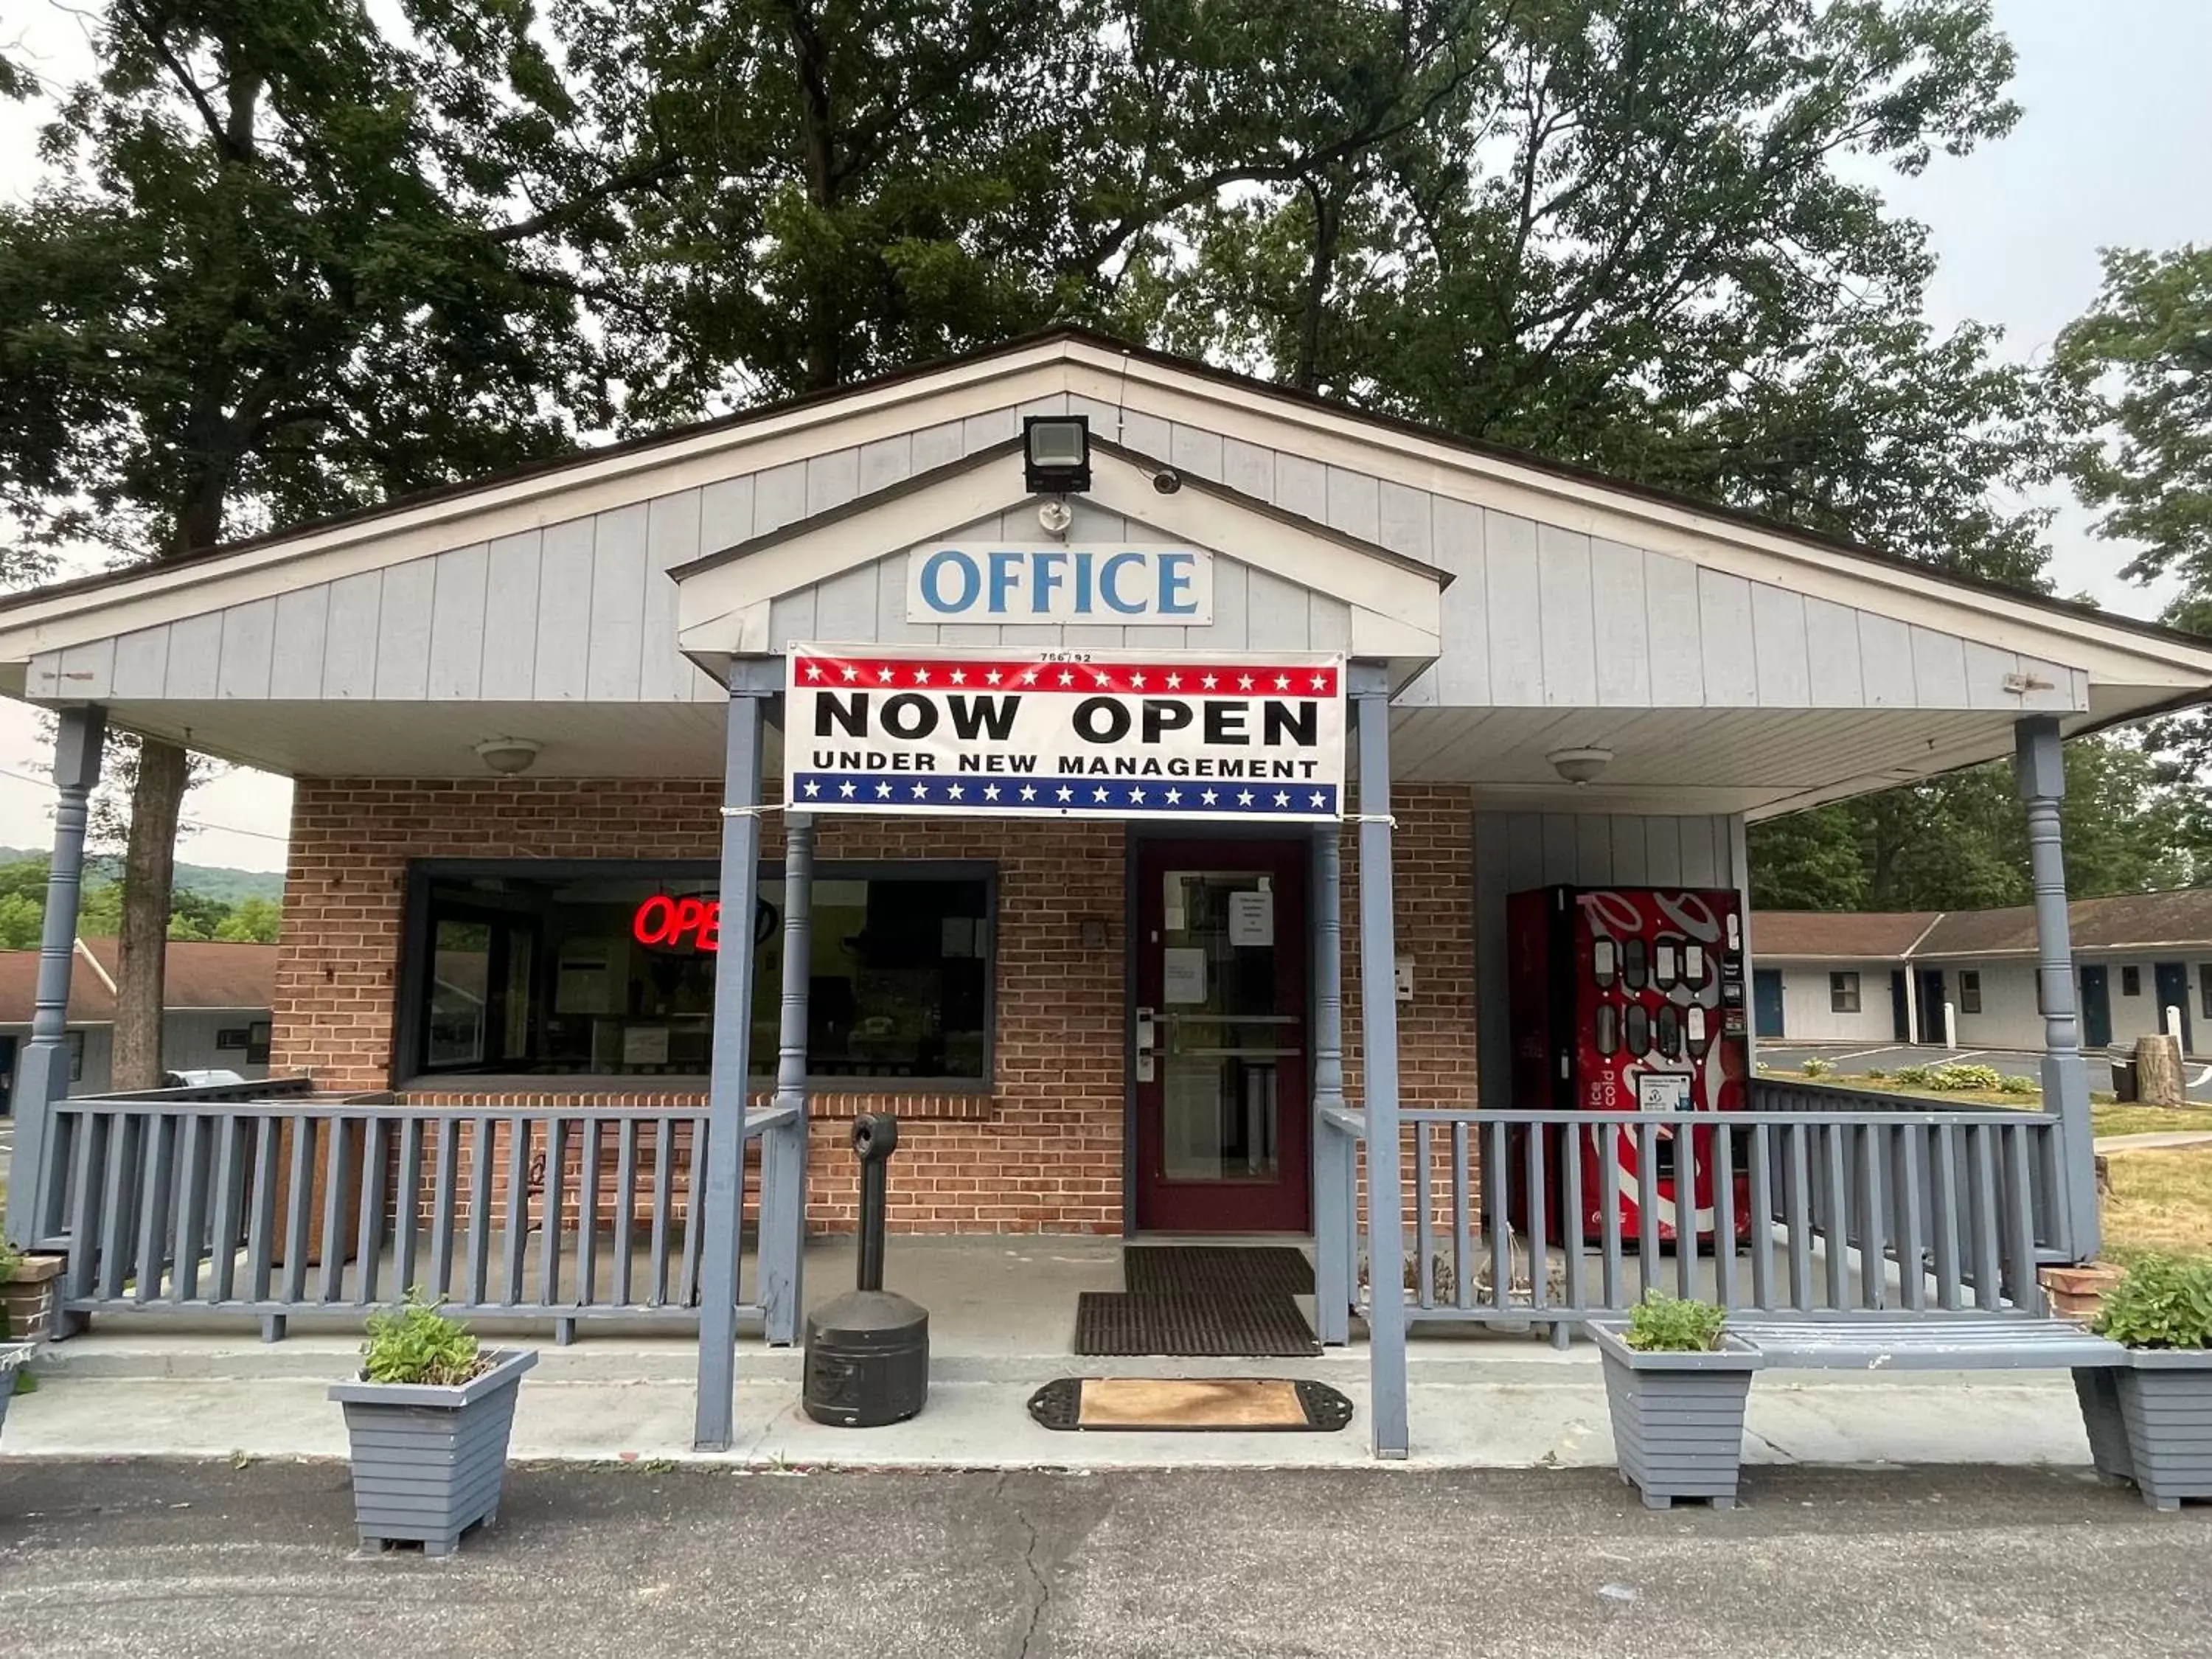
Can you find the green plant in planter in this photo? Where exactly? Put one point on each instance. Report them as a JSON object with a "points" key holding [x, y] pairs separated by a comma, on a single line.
{"points": [[1666, 1324], [415, 1343], [2161, 1301], [1817, 1067]]}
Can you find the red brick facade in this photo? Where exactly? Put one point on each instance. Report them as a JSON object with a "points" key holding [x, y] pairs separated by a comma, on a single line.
{"points": [[1042, 1151]]}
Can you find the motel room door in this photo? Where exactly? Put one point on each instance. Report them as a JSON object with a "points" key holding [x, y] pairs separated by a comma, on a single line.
{"points": [[1223, 1112]]}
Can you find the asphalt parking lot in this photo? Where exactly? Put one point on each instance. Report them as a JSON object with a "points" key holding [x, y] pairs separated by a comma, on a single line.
{"points": [[1888, 1057], [185, 1559]]}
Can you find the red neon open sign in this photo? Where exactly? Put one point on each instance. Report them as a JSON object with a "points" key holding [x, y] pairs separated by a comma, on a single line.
{"points": [[678, 922]]}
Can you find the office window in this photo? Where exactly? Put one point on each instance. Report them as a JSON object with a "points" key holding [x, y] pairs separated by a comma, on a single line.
{"points": [[2130, 982], [1969, 991], [608, 969], [1844, 993]]}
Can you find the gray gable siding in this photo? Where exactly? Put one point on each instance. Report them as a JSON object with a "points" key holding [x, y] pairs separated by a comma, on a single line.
{"points": [[1538, 616]]}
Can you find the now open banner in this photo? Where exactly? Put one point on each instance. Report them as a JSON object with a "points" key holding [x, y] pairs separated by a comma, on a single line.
{"points": [[1064, 733]]}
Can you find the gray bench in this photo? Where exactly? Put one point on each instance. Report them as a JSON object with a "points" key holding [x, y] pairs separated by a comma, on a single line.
{"points": [[1927, 1342], [1958, 1343]]}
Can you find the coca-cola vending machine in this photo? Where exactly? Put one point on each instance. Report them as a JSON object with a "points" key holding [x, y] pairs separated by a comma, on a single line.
{"points": [[1628, 999]]}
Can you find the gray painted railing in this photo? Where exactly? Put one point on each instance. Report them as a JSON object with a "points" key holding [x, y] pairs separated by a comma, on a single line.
{"points": [[199, 1202], [1869, 1211]]}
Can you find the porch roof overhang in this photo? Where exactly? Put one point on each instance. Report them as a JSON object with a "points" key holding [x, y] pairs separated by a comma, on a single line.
{"points": [[538, 604]]}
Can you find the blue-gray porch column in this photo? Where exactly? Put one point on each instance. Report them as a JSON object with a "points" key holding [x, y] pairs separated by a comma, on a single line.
{"points": [[2040, 763], [1334, 1251], [42, 1073], [721, 1219], [783, 1156], [1378, 1015]]}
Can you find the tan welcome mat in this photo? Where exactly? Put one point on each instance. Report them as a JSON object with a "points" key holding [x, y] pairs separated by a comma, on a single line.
{"points": [[1191, 1405]]}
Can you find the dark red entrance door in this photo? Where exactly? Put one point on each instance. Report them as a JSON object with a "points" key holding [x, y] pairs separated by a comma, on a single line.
{"points": [[1223, 1112]]}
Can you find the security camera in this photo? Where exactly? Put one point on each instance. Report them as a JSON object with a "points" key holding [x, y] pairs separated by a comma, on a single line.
{"points": [[1167, 481]]}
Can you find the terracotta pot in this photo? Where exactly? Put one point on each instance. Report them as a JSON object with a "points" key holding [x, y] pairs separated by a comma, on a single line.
{"points": [[2077, 1293], [29, 1299]]}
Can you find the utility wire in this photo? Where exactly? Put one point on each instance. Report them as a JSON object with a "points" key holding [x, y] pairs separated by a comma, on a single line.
{"points": [[196, 823]]}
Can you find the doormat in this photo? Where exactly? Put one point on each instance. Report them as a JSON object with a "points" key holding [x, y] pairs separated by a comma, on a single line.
{"points": [[1191, 1405], [1210, 1269], [1139, 1322]]}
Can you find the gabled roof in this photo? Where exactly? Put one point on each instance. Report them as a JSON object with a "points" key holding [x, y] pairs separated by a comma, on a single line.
{"points": [[1838, 935], [200, 974], [2179, 919], [1115, 364]]}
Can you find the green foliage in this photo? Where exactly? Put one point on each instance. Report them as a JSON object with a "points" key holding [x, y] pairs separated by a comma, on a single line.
{"points": [[1959, 842], [1915, 1077], [1966, 1076], [2013, 1083], [1816, 1066], [11, 1261], [1665, 1324], [415, 1343], [2161, 1301], [195, 913], [2140, 363], [1875, 1074]]}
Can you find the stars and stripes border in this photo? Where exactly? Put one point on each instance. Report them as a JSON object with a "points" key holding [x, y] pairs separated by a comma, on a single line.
{"points": [[812, 672], [1062, 796]]}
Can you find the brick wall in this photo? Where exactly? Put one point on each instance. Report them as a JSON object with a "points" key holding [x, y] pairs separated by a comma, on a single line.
{"points": [[1043, 1150]]}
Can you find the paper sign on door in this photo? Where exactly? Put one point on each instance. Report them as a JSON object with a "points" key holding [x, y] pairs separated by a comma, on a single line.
{"points": [[1252, 918], [1183, 975]]}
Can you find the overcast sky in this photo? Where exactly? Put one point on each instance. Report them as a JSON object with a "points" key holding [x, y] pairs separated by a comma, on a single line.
{"points": [[2112, 151]]}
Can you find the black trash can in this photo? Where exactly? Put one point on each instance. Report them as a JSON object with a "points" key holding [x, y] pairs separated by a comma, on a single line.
{"points": [[2124, 1079]]}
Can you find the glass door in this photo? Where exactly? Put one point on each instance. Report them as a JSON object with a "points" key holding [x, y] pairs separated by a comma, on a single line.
{"points": [[1219, 1016]]}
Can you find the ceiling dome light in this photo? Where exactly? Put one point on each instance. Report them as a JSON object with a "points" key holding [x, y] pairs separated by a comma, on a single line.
{"points": [[1579, 766], [508, 756]]}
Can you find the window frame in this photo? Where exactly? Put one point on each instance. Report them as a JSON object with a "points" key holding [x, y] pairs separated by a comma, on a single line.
{"points": [[2130, 980], [412, 978], [1970, 990], [1844, 983]]}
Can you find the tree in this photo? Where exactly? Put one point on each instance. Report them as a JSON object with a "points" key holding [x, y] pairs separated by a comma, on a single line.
{"points": [[284, 262], [1627, 242], [253, 920], [2135, 373], [1959, 842]]}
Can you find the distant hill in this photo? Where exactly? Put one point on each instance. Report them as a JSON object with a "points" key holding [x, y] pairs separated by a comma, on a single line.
{"points": [[218, 881]]}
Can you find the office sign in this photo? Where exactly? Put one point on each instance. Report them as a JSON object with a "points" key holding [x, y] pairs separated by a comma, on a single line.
{"points": [[1119, 586], [1119, 735]]}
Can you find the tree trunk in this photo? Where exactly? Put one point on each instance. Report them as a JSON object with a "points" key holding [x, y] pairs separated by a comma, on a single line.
{"points": [[149, 865], [2158, 1072]]}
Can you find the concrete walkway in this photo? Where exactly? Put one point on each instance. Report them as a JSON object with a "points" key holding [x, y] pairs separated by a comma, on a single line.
{"points": [[2153, 1141], [188, 1561], [1505, 1405]]}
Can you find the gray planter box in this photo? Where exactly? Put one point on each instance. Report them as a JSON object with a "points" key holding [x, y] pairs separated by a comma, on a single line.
{"points": [[429, 1462], [1677, 1417], [12, 1356], [2150, 1422]]}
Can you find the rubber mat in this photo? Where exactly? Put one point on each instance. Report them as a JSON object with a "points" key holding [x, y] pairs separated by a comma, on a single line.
{"points": [[1136, 1323], [1212, 1405], [1212, 1269]]}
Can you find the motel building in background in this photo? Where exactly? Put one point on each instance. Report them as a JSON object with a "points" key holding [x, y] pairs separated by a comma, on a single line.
{"points": [[1121, 770]]}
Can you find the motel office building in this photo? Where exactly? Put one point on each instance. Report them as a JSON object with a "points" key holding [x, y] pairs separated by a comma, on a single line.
{"points": [[528, 719]]}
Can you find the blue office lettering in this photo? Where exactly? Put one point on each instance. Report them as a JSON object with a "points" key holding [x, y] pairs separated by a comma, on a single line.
{"points": [[1109, 590], [1176, 578], [971, 581]]}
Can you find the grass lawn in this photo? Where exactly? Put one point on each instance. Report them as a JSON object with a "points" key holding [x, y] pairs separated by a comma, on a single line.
{"points": [[2109, 1116], [2160, 1200]]}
